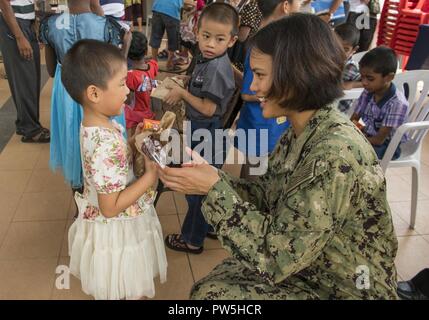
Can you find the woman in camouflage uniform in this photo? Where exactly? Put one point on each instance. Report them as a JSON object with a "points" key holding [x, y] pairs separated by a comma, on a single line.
{"points": [[317, 224]]}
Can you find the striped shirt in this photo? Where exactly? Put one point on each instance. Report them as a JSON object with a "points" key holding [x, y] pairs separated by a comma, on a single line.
{"points": [[23, 9], [391, 111], [114, 8]]}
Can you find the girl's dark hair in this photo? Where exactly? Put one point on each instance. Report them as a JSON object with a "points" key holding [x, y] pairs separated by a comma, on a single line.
{"points": [[138, 47], [267, 7], [308, 61], [223, 13], [89, 62], [381, 60]]}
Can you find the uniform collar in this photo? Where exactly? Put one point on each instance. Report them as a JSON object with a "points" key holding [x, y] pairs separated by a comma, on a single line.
{"points": [[296, 145]]}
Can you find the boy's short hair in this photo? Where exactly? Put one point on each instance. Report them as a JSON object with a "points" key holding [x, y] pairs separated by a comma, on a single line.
{"points": [[381, 60], [223, 13], [138, 47], [89, 62], [308, 61], [267, 7], [348, 33]]}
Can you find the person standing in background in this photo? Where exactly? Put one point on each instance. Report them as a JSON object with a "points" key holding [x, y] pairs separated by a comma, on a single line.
{"points": [[21, 58]]}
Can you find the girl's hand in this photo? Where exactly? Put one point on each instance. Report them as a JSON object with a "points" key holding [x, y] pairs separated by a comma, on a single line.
{"points": [[175, 96]]}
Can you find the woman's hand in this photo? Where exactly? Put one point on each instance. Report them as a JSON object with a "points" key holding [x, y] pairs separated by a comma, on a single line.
{"points": [[196, 177]]}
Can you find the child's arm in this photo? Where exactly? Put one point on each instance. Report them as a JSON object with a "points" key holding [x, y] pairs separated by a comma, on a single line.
{"points": [[380, 137], [203, 105], [114, 203]]}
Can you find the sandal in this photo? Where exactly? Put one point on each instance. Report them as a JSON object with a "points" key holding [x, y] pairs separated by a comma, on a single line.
{"points": [[163, 55], [43, 136], [175, 242]]}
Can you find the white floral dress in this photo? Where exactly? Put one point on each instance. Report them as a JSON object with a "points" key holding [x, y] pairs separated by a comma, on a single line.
{"points": [[115, 258]]}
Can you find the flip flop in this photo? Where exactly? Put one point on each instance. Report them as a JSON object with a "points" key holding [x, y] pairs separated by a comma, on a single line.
{"points": [[175, 242]]}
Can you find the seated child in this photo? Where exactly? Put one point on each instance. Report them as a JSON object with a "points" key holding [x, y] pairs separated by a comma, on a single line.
{"points": [[382, 107], [115, 244], [140, 80], [349, 38], [210, 88]]}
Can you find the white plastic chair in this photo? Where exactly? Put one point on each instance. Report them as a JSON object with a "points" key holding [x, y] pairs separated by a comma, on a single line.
{"points": [[416, 127], [358, 56]]}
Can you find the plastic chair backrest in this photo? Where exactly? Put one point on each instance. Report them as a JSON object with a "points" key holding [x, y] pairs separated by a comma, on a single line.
{"points": [[408, 82], [358, 56]]}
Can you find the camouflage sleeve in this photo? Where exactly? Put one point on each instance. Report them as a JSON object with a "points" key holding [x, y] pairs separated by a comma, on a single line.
{"points": [[249, 191], [292, 234]]}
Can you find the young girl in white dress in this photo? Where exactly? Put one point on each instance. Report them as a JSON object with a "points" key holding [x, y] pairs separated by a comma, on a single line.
{"points": [[115, 244]]}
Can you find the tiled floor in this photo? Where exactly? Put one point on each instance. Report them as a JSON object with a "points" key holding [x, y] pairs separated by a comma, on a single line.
{"points": [[36, 209]]}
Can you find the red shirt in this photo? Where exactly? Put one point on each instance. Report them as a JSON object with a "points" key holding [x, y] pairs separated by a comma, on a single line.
{"points": [[141, 82]]}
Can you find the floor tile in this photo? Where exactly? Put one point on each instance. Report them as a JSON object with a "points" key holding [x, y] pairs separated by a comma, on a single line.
{"points": [[43, 206], [423, 182], [402, 226], [27, 279], [165, 205], [202, 264], [413, 256], [44, 180], [74, 290], [8, 204], [16, 181], [18, 160], [4, 227], [181, 203], [33, 240], [65, 242], [422, 216], [43, 159], [400, 190], [179, 278]]}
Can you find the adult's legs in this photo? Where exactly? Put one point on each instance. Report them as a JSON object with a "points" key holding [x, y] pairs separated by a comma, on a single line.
{"points": [[157, 33], [231, 280], [23, 78]]}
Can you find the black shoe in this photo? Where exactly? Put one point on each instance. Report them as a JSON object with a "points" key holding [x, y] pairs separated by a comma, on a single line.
{"points": [[415, 289], [42, 137], [211, 235]]}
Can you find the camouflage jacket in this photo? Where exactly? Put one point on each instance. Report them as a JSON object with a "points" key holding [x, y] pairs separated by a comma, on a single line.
{"points": [[319, 213]]}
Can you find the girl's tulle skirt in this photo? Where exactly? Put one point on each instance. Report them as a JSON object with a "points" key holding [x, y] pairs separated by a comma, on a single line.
{"points": [[66, 117], [118, 259]]}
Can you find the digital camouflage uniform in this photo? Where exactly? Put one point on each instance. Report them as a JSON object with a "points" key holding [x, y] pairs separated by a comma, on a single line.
{"points": [[309, 226]]}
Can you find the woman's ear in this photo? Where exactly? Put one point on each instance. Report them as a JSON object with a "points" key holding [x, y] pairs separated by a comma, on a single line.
{"points": [[93, 94]]}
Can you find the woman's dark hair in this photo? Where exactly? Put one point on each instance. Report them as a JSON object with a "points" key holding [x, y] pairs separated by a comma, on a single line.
{"points": [[308, 61], [138, 47], [381, 60], [223, 13], [267, 7], [89, 62]]}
